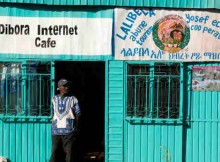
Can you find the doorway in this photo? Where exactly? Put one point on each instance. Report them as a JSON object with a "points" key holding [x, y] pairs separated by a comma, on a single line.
{"points": [[88, 86]]}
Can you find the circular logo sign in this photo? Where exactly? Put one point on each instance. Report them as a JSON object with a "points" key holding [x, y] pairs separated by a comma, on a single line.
{"points": [[171, 33]]}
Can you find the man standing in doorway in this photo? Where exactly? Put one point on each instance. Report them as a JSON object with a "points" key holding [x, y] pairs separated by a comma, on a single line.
{"points": [[64, 122]]}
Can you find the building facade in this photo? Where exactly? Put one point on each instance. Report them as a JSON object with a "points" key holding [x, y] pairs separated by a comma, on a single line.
{"points": [[146, 73]]}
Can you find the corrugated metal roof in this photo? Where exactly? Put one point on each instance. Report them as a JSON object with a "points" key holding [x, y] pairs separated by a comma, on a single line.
{"points": [[200, 4]]}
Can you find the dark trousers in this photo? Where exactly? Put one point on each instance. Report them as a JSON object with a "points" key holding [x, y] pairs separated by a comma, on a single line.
{"points": [[65, 144]]}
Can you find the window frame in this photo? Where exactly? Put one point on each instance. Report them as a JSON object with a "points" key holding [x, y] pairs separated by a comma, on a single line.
{"points": [[140, 119], [24, 80]]}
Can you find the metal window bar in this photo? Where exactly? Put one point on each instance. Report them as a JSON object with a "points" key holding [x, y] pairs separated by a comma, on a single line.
{"points": [[38, 94], [166, 97], [11, 96], [138, 96], [159, 100], [26, 89], [137, 85]]}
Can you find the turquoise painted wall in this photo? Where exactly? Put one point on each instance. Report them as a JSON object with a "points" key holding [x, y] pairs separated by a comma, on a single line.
{"points": [[150, 142], [115, 132], [29, 141], [202, 133], [195, 140], [25, 141]]}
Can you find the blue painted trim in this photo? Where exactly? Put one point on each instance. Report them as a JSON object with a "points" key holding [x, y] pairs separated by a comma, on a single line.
{"points": [[113, 33], [52, 85], [54, 11], [13, 57], [125, 122], [106, 133], [181, 90]]}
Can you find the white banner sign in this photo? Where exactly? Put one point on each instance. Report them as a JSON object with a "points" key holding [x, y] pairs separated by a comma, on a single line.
{"points": [[71, 36], [167, 35]]}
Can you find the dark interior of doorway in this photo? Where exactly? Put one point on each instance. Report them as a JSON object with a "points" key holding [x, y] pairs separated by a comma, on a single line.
{"points": [[88, 85]]}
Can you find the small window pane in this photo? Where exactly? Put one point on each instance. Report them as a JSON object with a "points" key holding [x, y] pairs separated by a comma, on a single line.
{"points": [[38, 67], [166, 91], [167, 69], [28, 93], [138, 69], [138, 83], [155, 95], [38, 88], [11, 92]]}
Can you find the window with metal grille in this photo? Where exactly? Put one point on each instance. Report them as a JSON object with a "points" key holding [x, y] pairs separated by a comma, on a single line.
{"points": [[153, 91], [25, 89]]}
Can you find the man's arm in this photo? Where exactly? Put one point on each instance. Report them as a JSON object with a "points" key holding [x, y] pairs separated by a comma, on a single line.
{"points": [[77, 111]]}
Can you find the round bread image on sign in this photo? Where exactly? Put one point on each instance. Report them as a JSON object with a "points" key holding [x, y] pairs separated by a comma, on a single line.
{"points": [[171, 33]]}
